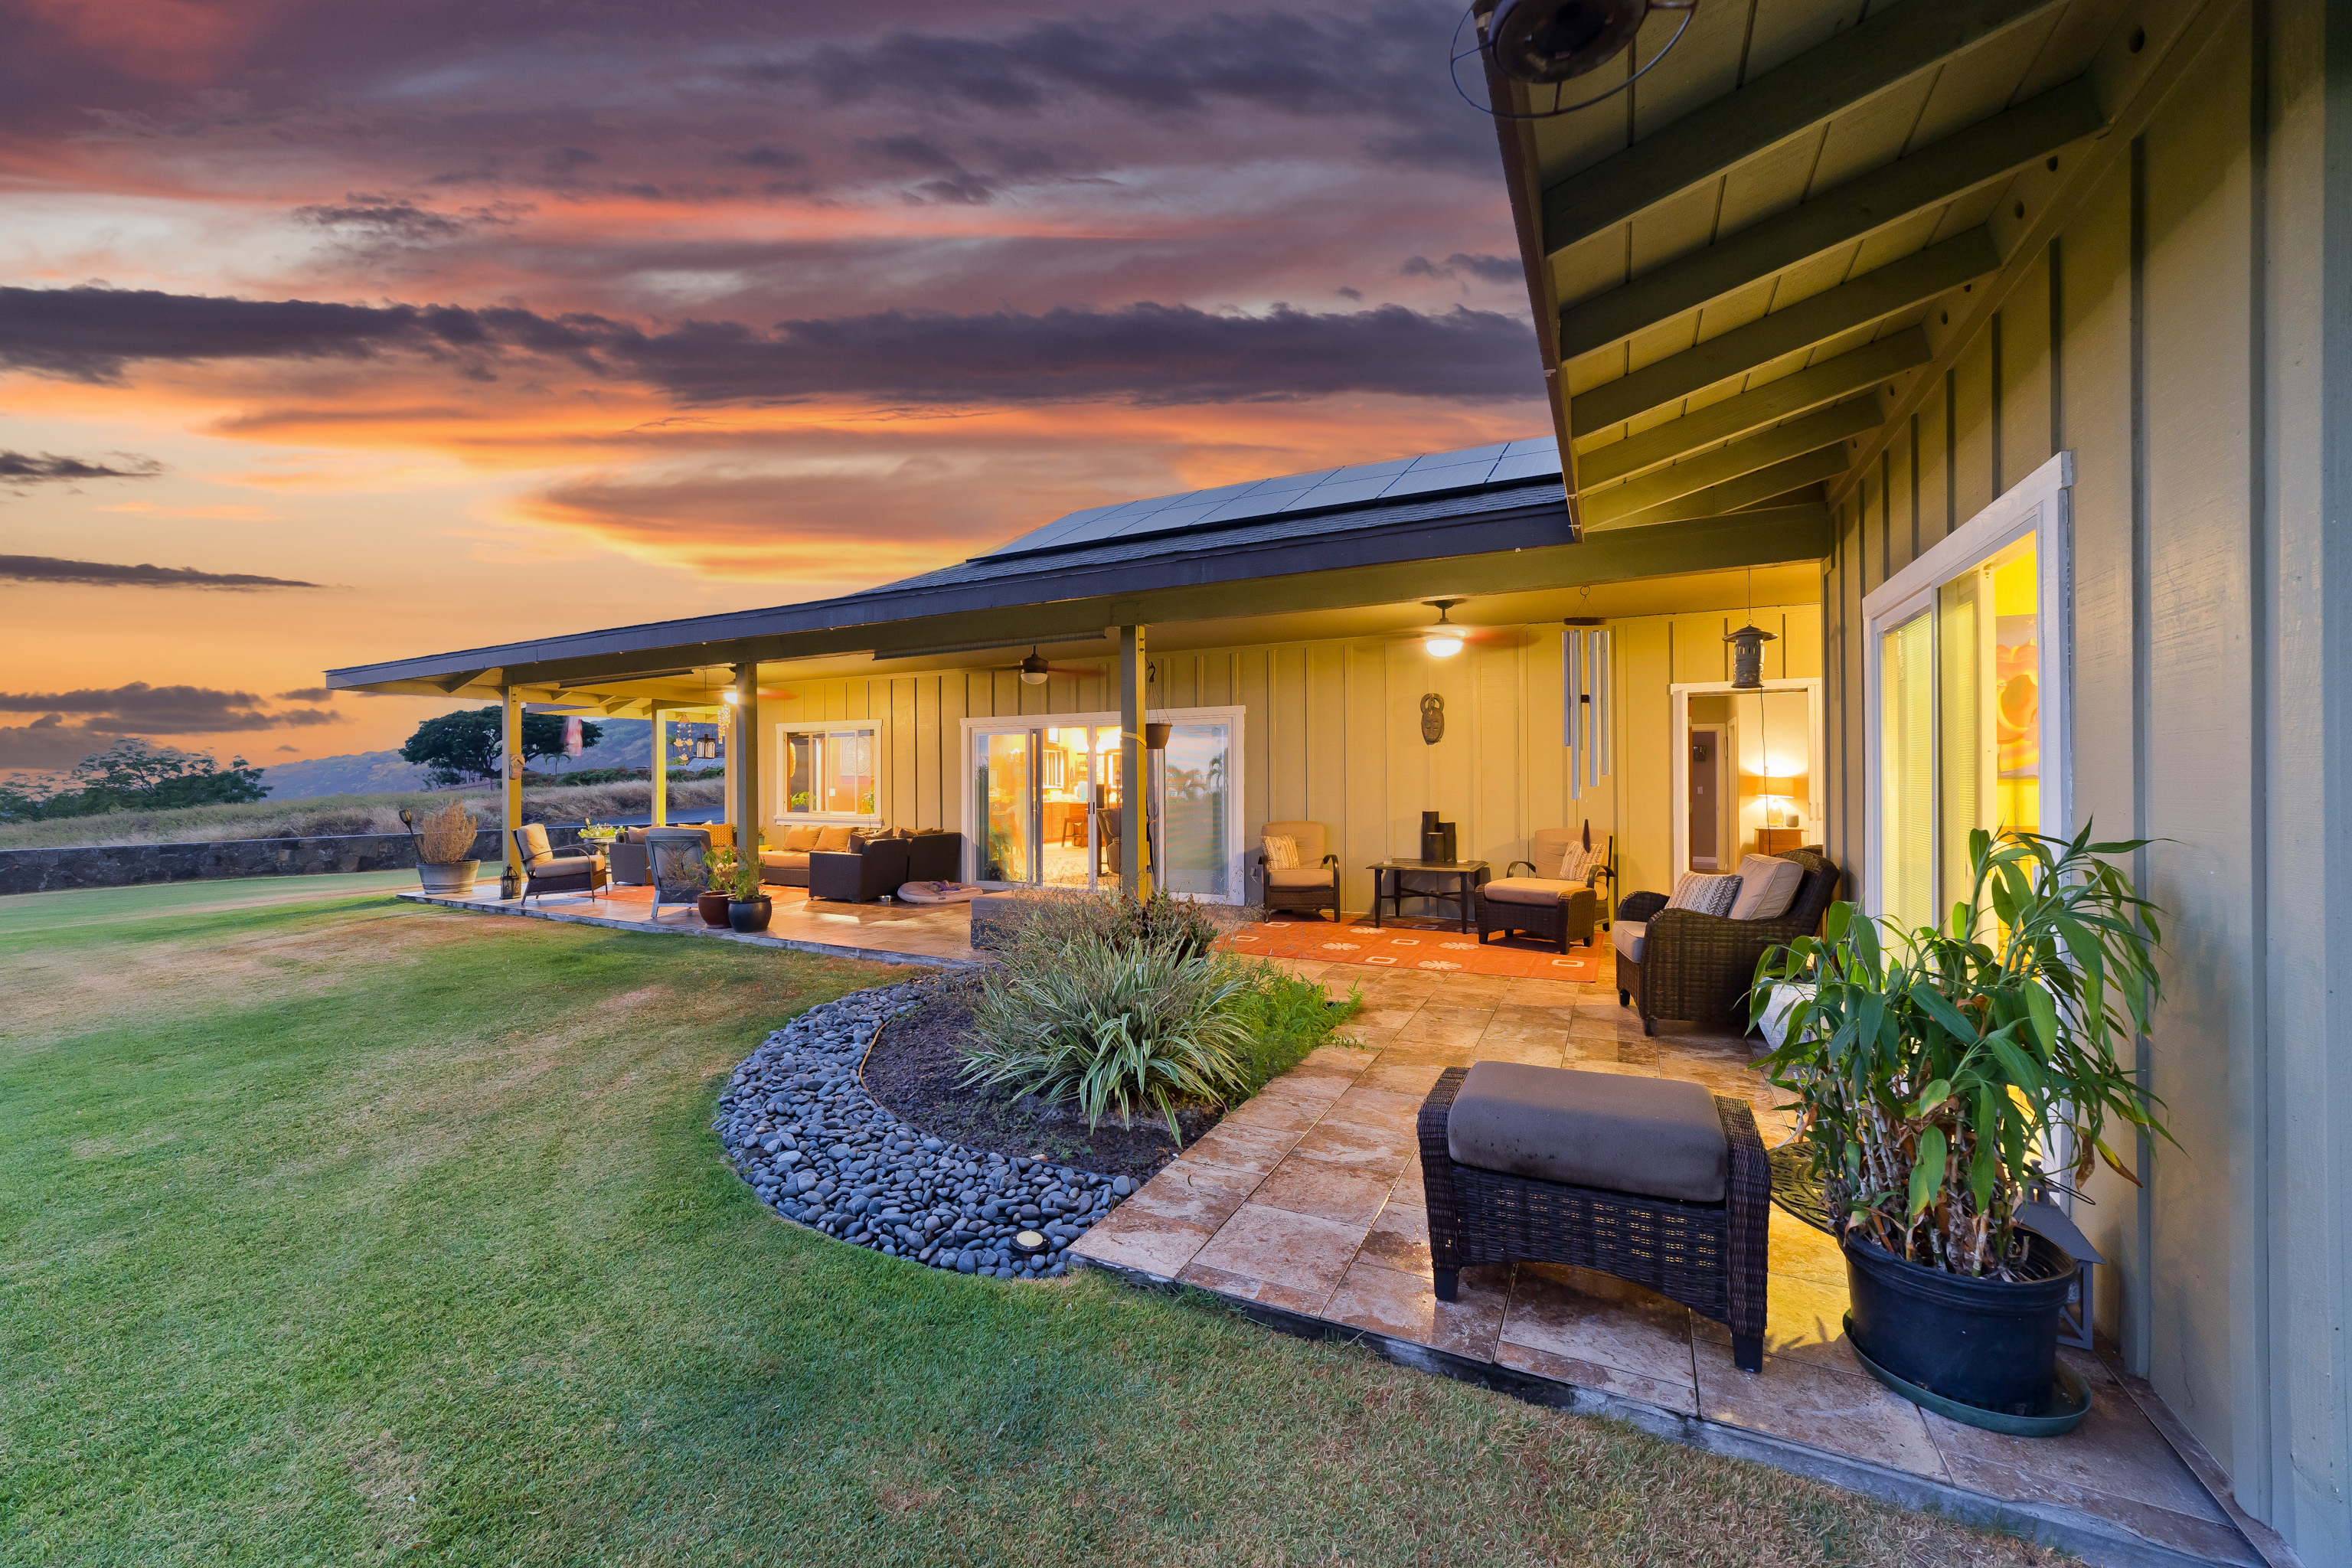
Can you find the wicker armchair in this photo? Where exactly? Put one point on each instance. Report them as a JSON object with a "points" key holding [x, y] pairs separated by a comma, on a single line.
{"points": [[1710, 1256], [1314, 884], [1680, 963]]}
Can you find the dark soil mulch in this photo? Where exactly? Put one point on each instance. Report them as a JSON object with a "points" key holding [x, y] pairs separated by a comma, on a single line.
{"points": [[915, 1068]]}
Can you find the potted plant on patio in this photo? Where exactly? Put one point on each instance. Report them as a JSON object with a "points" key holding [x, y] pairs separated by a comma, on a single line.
{"points": [[718, 871], [749, 907], [1933, 1071], [444, 844]]}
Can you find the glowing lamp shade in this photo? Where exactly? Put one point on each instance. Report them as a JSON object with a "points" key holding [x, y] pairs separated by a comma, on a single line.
{"points": [[730, 697], [1033, 669], [1442, 646]]}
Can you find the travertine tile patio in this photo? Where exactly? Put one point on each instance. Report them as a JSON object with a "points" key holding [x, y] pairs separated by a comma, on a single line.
{"points": [[932, 934], [1307, 1205]]}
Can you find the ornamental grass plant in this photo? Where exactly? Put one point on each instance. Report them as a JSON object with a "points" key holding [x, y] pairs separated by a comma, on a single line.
{"points": [[445, 836], [1936, 1069], [1124, 1007]]}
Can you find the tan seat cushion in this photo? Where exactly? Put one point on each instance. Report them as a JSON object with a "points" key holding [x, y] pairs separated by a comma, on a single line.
{"points": [[1768, 886], [1626, 937], [802, 839], [833, 840], [780, 857], [1654, 1137], [1302, 876], [1529, 891]]}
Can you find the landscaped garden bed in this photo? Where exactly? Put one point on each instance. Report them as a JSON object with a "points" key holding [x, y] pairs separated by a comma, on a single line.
{"points": [[982, 1122]]}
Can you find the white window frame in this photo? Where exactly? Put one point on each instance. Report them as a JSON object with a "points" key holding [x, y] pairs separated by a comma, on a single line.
{"points": [[2040, 504], [784, 730], [1816, 752], [1012, 723]]}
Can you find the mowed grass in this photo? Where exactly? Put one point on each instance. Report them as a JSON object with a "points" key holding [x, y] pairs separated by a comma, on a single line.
{"points": [[339, 1231]]}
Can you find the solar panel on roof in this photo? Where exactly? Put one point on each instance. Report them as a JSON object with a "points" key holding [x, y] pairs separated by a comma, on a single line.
{"points": [[1430, 474]]}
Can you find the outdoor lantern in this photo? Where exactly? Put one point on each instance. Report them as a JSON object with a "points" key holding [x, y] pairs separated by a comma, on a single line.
{"points": [[1748, 657], [1033, 668], [706, 747]]}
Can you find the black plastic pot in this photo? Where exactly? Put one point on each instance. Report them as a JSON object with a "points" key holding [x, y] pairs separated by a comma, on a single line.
{"points": [[750, 914], [1992, 1343]]}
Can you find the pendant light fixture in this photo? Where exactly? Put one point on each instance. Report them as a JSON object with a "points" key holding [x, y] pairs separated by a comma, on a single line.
{"points": [[1444, 640], [1034, 668]]}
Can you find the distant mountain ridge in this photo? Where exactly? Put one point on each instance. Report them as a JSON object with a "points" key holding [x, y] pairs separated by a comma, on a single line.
{"points": [[624, 744]]}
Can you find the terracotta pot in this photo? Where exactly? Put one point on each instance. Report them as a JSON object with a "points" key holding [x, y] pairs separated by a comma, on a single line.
{"points": [[750, 914], [712, 907], [448, 876]]}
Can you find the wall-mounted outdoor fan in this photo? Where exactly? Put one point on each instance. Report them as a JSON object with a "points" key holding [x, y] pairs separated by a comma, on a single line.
{"points": [[1548, 43]]}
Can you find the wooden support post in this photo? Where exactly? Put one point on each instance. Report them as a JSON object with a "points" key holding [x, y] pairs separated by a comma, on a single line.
{"points": [[661, 769], [510, 774], [743, 805], [1134, 672]]}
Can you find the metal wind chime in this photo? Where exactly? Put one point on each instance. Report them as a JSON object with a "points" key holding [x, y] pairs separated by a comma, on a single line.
{"points": [[1584, 717]]}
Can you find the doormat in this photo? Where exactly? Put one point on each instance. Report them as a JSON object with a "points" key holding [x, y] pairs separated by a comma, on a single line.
{"points": [[1392, 946]]}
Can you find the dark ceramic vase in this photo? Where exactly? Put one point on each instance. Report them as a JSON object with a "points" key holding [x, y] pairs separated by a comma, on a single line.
{"points": [[712, 907], [750, 914]]}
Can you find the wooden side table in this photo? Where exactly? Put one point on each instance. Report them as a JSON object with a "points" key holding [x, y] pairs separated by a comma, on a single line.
{"points": [[1779, 840], [1388, 882]]}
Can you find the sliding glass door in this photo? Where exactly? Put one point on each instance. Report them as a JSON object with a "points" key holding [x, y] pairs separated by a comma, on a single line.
{"points": [[1051, 808], [1967, 714]]}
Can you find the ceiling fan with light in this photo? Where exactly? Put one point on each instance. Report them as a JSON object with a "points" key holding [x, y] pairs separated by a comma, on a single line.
{"points": [[1448, 636]]}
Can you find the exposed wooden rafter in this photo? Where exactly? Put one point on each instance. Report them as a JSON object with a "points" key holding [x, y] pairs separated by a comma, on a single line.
{"points": [[1763, 484], [1817, 86], [1987, 151], [1898, 286], [1751, 411], [1830, 427]]}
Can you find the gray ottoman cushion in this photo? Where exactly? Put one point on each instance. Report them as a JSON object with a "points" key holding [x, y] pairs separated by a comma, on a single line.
{"points": [[1655, 1137]]}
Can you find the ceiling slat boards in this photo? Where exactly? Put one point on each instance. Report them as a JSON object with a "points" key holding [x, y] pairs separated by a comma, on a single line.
{"points": [[1755, 244]]}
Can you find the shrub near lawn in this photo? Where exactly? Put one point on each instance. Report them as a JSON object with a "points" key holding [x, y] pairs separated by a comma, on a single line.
{"points": [[1126, 1008]]}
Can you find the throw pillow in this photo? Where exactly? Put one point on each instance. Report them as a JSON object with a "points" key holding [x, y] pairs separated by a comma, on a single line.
{"points": [[801, 840], [1705, 893], [833, 840], [1576, 866], [1281, 854], [1768, 886]]}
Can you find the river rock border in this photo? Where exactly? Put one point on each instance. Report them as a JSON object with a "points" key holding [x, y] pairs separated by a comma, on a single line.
{"points": [[798, 1125]]}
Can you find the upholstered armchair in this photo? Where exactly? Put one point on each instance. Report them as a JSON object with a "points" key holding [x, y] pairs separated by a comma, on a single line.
{"points": [[581, 871], [1313, 884], [1681, 964]]}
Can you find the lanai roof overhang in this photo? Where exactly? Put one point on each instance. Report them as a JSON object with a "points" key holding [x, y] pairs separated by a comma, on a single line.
{"points": [[1513, 536], [1753, 265]]}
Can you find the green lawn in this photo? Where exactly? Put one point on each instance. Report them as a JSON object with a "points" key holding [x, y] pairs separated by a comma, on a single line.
{"points": [[335, 1231]]}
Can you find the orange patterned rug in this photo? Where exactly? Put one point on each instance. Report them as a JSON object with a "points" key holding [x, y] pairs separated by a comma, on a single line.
{"points": [[1414, 946]]}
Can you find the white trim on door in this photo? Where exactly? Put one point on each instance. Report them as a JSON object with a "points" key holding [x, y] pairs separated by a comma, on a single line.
{"points": [[1816, 755], [2041, 503]]}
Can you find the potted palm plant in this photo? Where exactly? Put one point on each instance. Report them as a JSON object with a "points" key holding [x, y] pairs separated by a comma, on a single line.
{"points": [[445, 849], [1935, 1070]]}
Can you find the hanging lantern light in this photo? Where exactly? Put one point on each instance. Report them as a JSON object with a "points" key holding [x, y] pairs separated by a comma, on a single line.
{"points": [[1748, 657], [706, 747]]}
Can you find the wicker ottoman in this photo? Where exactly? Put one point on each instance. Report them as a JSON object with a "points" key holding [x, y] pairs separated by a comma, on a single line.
{"points": [[1650, 1180]]}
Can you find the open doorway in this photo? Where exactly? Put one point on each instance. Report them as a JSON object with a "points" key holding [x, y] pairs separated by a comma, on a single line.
{"points": [[1746, 771]]}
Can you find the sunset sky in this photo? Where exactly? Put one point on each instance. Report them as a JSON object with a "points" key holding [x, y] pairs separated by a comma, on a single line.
{"points": [[330, 333]]}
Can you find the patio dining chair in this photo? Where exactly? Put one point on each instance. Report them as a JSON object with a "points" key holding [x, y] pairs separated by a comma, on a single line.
{"points": [[546, 871]]}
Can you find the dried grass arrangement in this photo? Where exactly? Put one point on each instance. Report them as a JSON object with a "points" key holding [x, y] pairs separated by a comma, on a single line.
{"points": [[445, 836]]}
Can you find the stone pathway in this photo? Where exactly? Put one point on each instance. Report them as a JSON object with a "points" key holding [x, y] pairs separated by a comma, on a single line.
{"points": [[1306, 1203]]}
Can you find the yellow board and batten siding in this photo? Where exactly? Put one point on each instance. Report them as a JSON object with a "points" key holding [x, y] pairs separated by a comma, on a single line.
{"points": [[1332, 732]]}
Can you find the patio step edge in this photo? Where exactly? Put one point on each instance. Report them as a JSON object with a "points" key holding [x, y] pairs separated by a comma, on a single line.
{"points": [[749, 938], [2088, 1537]]}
